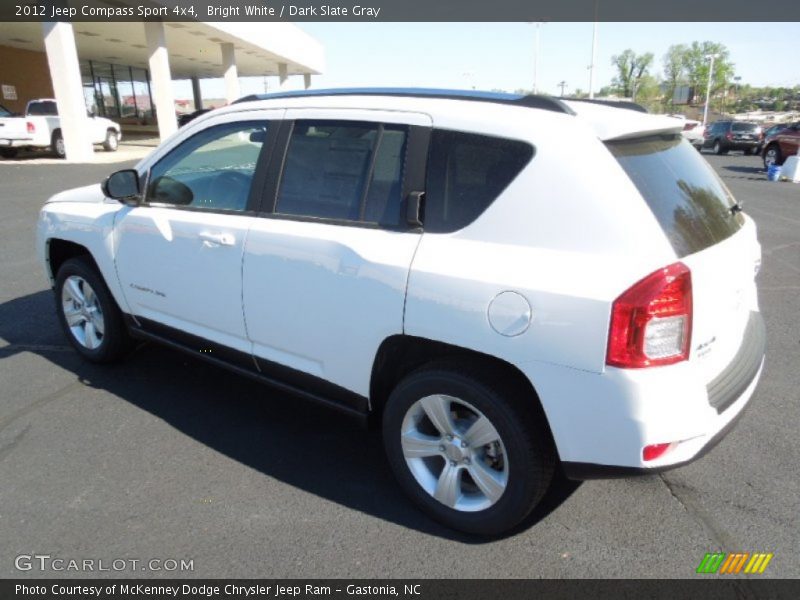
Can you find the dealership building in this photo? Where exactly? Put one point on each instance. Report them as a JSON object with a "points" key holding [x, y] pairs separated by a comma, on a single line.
{"points": [[125, 70]]}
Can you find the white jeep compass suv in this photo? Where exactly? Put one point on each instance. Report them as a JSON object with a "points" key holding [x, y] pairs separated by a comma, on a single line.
{"points": [[511, 284]]}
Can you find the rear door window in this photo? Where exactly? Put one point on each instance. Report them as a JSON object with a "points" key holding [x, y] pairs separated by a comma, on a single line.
{"points": [[466, 173], [687, 198], [344, 171], [44, 108]]}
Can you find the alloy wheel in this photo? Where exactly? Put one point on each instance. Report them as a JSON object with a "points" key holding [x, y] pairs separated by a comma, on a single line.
{"points": [[82, 312], [454, 452]]}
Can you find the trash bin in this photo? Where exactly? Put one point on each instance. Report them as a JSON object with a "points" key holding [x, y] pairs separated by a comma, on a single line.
{"points": [[774, 173]]}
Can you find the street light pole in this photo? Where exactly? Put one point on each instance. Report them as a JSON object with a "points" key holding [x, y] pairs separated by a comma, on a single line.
{"points": [[536, 59], [594, 55], [708, 88], [562, 85]]}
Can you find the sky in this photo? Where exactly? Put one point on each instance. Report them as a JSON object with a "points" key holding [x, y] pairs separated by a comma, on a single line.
{"points": [[501, 55]]}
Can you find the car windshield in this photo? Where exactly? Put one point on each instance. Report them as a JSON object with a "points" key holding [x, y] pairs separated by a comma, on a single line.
{"points": [[687, 198], [744, 127], [44, 108]]}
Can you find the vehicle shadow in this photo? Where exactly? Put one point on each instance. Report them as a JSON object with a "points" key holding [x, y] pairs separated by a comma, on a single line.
{"points": [[312, 448], [759, 170]]}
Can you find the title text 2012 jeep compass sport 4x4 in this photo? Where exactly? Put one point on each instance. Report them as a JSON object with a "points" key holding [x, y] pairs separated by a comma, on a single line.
{"points": [[442, 260]]}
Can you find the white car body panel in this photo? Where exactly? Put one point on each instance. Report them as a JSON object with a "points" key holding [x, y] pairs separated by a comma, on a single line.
{"points": [[363, 272]]}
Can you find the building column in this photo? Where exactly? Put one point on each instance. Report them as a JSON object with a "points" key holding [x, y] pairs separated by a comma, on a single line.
{"points": [[283, 75], [161, 78], [196, 93], [65, 74], [306, 80], [232, 91]]}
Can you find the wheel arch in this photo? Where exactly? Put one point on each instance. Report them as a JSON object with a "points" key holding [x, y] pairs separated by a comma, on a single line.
{"points": [[60, 250], [399, 355]]}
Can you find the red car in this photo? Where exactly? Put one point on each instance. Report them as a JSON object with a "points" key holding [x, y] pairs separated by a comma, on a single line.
{"points": [[781, 144]]}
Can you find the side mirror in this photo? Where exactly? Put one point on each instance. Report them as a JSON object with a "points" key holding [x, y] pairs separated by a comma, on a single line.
{"points": [[123, 186]]}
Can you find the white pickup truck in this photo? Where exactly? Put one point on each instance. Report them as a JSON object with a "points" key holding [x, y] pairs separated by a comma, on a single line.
{"points": [[40, 127]]}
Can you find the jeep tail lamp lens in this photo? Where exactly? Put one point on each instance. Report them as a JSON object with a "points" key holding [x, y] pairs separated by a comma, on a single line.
{"points": [[651, 322]]}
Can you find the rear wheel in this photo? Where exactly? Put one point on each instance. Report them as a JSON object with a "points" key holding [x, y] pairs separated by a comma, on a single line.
{"points": [[57, 144], [772, 156], [112, 141], [475, 456], [718, 149], [88, 313]]}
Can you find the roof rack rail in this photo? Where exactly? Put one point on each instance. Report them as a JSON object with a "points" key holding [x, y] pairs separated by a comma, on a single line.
{"points": [[626, 104], [528, 101]]}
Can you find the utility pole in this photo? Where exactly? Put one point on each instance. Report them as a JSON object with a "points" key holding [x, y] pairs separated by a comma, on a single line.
{"points": [[594, 54], [562, 85], [537, 24], [708, 88]]}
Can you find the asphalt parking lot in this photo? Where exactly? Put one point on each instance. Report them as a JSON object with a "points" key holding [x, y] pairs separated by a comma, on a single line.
{"points": [[163, 457]]}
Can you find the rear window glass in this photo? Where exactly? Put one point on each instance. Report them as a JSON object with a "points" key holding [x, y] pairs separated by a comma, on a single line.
{"points": [[744, 126], [466, 173], [42, 109], [687, 198], [4, 112]]}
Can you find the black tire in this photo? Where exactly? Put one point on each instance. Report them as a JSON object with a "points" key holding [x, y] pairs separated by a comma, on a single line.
{"points": [[57, 144], [115, 341], [517, 419], [111, 142], [772, 156], [8, 152], [718, 149]]}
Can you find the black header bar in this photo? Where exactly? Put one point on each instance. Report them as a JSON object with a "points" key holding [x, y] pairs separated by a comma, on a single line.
{"points": [[401, 10]]}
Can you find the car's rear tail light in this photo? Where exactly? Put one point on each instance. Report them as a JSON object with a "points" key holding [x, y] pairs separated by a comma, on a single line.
{"points": [[31, 127], [651, 322], [654, 451]]}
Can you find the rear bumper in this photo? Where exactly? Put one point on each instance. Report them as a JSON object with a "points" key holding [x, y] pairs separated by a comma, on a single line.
{"points": [[601, 422], [16, 142]]}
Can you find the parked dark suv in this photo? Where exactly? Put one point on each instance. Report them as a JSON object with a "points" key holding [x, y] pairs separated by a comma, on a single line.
{"points": [[723, 136]]}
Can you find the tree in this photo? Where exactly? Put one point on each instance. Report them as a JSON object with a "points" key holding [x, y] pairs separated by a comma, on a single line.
{"points": [[674, 62], [631, 68], [697, 65]]}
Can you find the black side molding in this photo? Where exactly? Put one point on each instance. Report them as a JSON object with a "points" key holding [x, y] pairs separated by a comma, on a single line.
{"points": [[278, 376]]}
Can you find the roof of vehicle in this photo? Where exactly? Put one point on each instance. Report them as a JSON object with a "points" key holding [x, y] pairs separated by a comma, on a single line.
{"points": [[527, 101], [608, 119]]}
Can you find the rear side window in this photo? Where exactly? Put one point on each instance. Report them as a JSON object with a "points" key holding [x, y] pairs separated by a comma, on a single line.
{"points": [[687, 198], [344, 171], [466, 173], [744, 127]]}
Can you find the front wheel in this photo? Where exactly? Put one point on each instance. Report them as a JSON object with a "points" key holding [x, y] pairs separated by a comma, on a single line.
{"points": [[88, 313], [474, 456]]}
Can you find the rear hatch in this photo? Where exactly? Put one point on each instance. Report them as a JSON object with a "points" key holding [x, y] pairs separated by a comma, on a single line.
{"points": [[709, 234], [745, 132]]}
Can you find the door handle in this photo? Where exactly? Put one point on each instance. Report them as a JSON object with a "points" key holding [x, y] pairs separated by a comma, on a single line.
{"points": [[216, 239]]}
